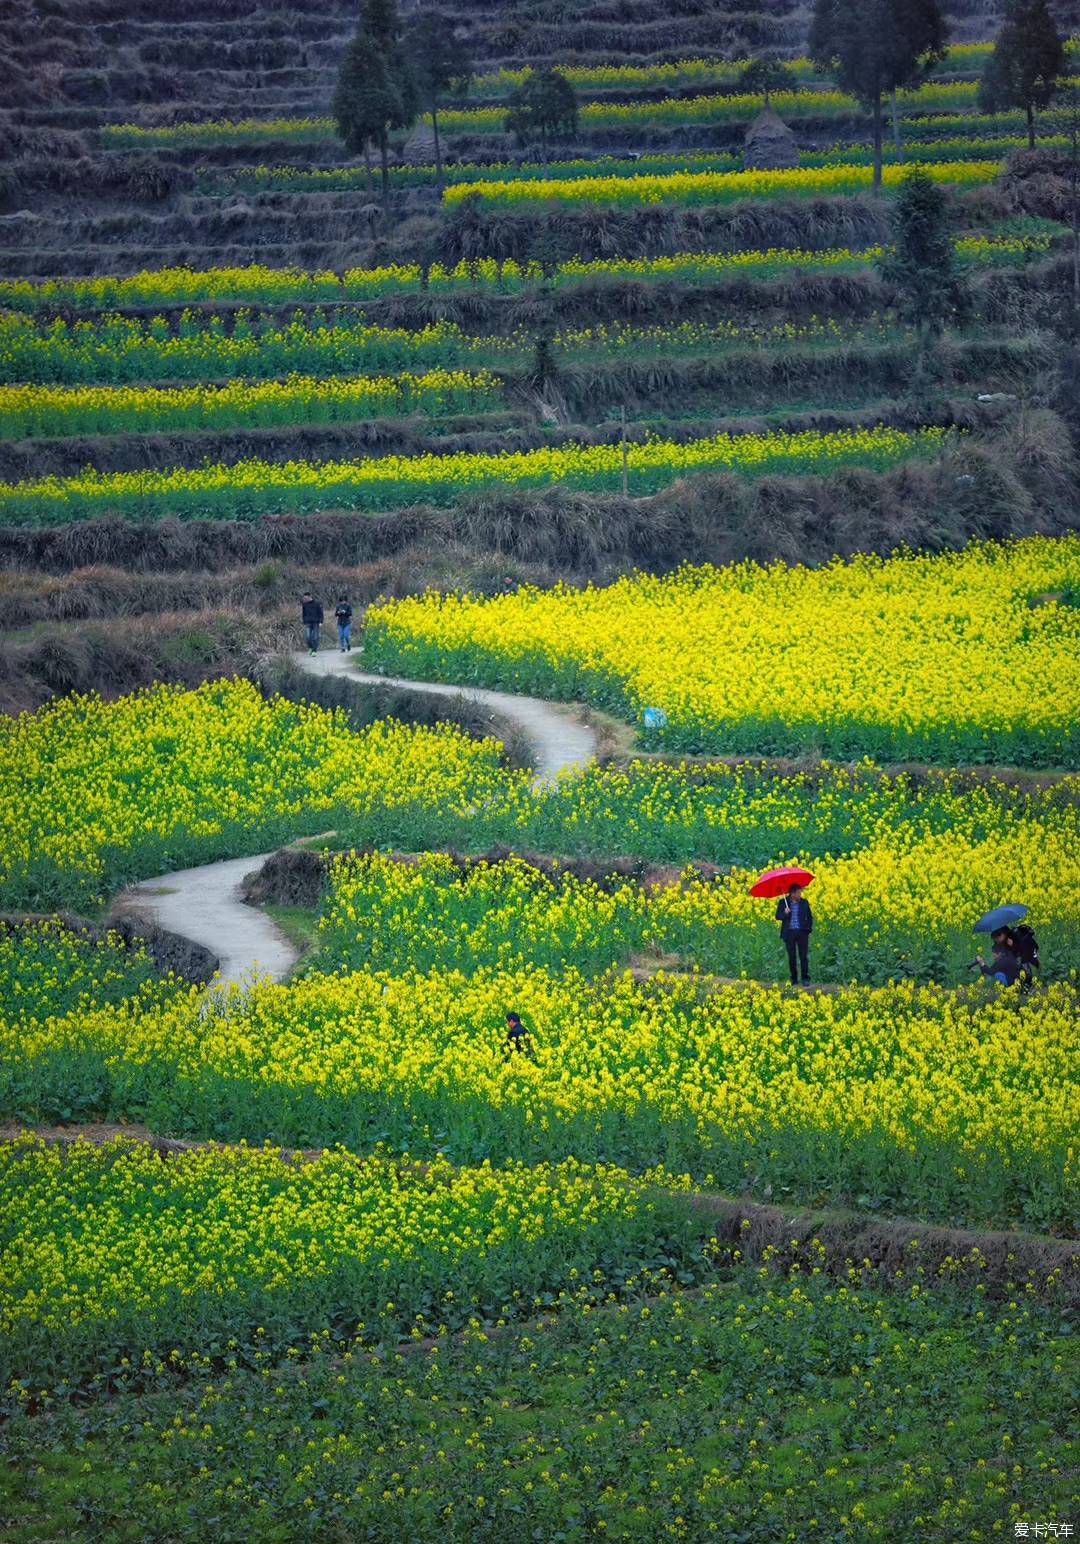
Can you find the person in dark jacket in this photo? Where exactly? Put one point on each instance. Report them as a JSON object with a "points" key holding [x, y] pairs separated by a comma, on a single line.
{"points": [[1004, 967], [796, 924], [518, 1038], [1023, 943], [311, 613], [343, 617]]}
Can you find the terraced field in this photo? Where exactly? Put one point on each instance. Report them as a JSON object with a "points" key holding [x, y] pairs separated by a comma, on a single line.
{"points": [[640, 430]]}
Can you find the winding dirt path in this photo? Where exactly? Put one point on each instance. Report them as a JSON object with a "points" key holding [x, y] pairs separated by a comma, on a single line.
{"points": [[204, 904], [559, 740]]}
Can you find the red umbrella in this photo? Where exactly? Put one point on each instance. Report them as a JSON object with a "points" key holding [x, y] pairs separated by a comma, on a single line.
{"points": [[779, 881]]}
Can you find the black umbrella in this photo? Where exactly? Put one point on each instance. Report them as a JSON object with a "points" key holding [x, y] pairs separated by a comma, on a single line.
{"points": [[1002, 916]]}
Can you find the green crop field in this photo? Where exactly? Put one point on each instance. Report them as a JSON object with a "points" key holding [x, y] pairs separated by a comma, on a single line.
{"points": [[460, 528]]}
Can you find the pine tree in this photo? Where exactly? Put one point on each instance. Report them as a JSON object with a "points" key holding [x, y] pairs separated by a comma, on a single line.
{"points": [[875, 47], [1027, 63], [439, 61], [763, 76], [921, 262], [375, 92], [543, 105]]}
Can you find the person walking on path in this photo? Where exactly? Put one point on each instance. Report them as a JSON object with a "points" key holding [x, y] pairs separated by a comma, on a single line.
{"points": [[312, 615], [796, 924], [343, 616]]}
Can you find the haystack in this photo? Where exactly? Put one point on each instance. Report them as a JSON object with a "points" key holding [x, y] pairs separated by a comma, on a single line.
{"points": [[770, 145], [419, 148]]}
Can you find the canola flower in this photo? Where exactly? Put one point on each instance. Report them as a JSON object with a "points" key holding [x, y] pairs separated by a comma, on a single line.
{"points": [[116, 349], [972, 125], [61, 410], [249, 489], [218, 131], [967, 146], [901, 666], [719, 187], [708, 267], [723, 107], [256, 283], [297, 179], [108, 1245], [183, 286], [301, 179], [899, 903], [950, 1102], [886, 1405], [93, 794], [47, 969], [689, 72]]}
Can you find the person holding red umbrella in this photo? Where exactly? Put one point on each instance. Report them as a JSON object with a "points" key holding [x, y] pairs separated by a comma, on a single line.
{"points": [[793, 914], [796, 924]]}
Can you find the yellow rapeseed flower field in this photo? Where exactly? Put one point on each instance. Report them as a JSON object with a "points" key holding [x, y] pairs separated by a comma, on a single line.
{"points": [[277, 286], [60, 410], [717, 187], [902, 1088], [247, 489], [109, 1244], [964, 657], [93, 792]]}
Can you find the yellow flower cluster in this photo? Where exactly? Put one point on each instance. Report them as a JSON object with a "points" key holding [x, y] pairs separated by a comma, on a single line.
{"points": [[114, 349], [209, 131], [244, 489], [92, 792], [900, 902], [721, 107], [59, 410], [718, 187], [48, 969], [690, 72], [113, 1240], [903, 904], [818, 1090], [891, 658], [183, 286], [705, 267]]}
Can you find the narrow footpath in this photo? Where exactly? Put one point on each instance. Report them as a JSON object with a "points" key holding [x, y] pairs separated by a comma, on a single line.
{"points": [[204, 904], [558, 738]]}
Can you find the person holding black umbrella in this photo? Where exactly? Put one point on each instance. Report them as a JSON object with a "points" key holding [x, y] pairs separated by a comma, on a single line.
{"points": [[1016, 949], [1004, 967]]}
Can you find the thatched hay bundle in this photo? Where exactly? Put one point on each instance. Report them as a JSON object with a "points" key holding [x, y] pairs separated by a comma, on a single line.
{"points": [[770, 146]]}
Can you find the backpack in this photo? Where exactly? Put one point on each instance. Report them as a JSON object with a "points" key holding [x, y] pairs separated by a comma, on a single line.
{"points": [[1026, 946]]}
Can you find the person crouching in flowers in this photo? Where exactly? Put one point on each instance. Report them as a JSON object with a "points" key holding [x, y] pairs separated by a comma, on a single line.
{"points": [[1004, 968], [518, 1039], [796, 924]]}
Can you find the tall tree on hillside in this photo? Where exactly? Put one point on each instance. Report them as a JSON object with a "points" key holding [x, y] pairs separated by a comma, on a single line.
{"points": [[764, 75], [543, 105], [1027, 63], [375, 92], [875, 47], [440, 62], [921, 262]]}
